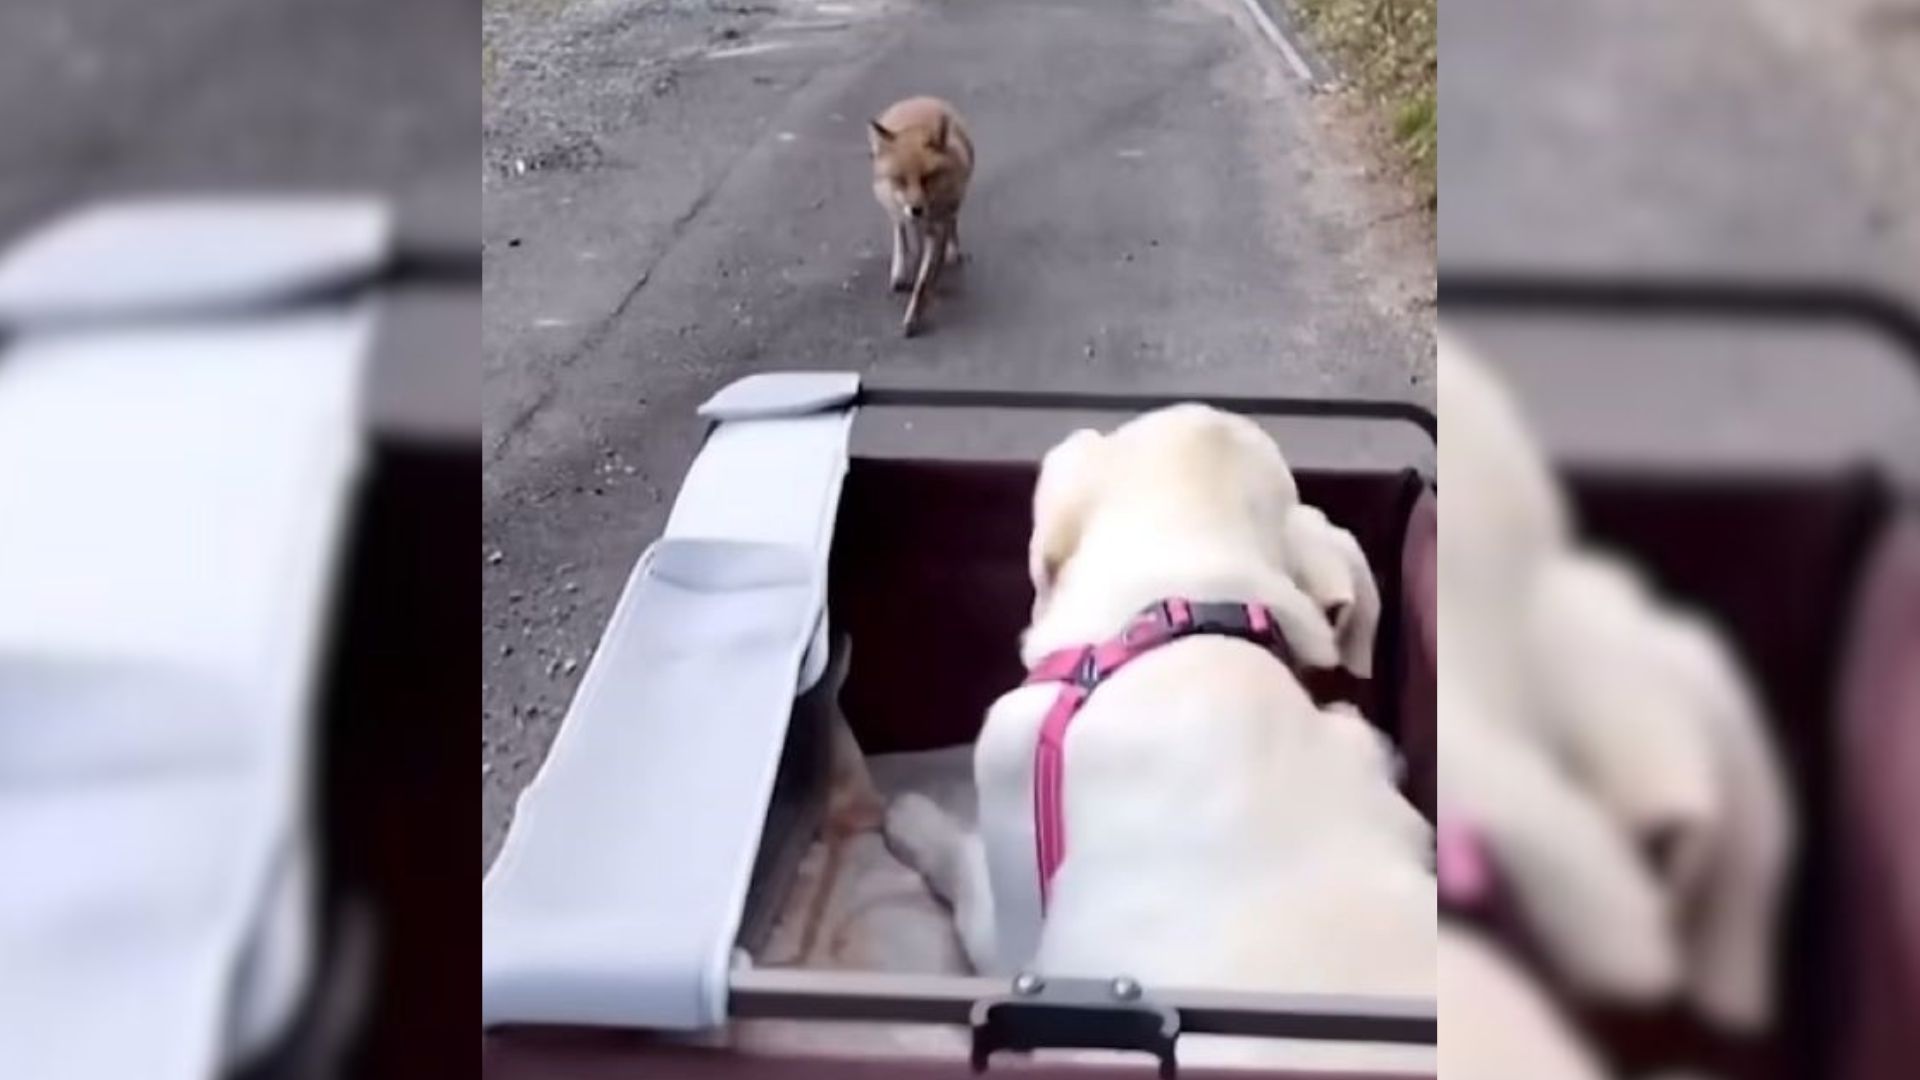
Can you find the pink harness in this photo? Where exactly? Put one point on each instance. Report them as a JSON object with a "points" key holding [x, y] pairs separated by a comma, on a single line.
{"points": [[1460, 864], [1081, 669]]}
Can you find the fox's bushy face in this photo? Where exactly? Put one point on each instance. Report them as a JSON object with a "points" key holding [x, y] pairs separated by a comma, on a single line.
{"points": [[916, 171]]}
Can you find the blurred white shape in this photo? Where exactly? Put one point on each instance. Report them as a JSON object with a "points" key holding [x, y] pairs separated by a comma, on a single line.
{"points": [[1495, 1023], [158, 485], [188, 254], [1650, 709], [1582, 718], [171, 502]]}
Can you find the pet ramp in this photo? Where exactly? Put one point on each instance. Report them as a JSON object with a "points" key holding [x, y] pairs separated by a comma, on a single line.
{"points": [[617, 896], [180, 434]]}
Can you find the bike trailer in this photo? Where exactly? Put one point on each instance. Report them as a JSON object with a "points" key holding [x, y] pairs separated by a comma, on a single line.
{"points": [[622, 917]]}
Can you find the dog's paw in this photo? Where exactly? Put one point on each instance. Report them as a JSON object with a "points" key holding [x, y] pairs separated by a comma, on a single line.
{"points": [[909, 326], [900, 282], [919, 832]]}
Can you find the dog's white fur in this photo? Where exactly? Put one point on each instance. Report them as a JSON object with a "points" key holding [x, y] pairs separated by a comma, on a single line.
{"points": [[1494, 1023], [1221, 830], [1598, 912], [1581, 719], [1649, 709], [1505, 518], [1600, 915], [1327, 563]]}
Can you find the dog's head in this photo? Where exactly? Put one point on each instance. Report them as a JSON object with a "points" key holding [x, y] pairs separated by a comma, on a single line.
{"points": [[1187, 465], [1178, 473], [1505, 511], [1071, 477], [915, 169]]}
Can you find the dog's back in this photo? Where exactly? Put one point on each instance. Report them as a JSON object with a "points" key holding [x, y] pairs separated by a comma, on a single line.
{"points": [[1225, 832]]}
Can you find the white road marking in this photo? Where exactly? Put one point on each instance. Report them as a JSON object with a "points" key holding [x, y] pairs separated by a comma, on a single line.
{"points": [[1271, 31]]}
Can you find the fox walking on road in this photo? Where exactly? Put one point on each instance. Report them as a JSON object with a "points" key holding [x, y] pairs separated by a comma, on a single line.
{"points": [[922, 160]]}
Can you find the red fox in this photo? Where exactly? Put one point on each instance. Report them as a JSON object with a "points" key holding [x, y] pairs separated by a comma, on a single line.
{"points": [[922, 160]]}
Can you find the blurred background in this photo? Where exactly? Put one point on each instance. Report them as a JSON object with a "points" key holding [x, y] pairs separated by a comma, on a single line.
{"points": [[1685, 240], [114, 96], [315, 423]]}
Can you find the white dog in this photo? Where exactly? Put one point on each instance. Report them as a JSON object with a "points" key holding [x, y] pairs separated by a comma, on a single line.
{"points": [[1600, 914], [1326, 562], [1222, 831], [1648, 709], [1608, 751]]}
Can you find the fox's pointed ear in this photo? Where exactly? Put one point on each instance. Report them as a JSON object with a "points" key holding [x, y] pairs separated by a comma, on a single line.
{"points": [[877, 134], [939, 140]]}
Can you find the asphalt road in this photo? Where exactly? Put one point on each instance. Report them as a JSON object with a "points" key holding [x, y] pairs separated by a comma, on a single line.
{"points": [[1724, 139], [125, 96], [1724, 136], [677, 195]]}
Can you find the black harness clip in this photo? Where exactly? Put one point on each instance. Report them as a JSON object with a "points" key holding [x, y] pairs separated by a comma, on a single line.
{"points": [[1075, 1014]]}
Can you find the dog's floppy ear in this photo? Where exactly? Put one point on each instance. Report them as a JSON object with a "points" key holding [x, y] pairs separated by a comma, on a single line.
{"points": [[1356, 625], [1062, 497], [1731, 935], [1327, 563], [878, 136], [1613, 708]]}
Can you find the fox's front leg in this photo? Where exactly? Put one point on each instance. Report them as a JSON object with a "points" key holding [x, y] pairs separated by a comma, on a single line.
{"points": [[933, 255], [902, 273]]}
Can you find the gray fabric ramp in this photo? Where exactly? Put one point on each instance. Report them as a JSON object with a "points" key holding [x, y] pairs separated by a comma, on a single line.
{"points": [[175, 476], [618, 893], [136, 936], [122, 260], [778, 482]]}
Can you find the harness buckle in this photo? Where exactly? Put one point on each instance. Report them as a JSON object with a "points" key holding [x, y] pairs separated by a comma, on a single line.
{"points": [[1222, 617], [1086, 673]]}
